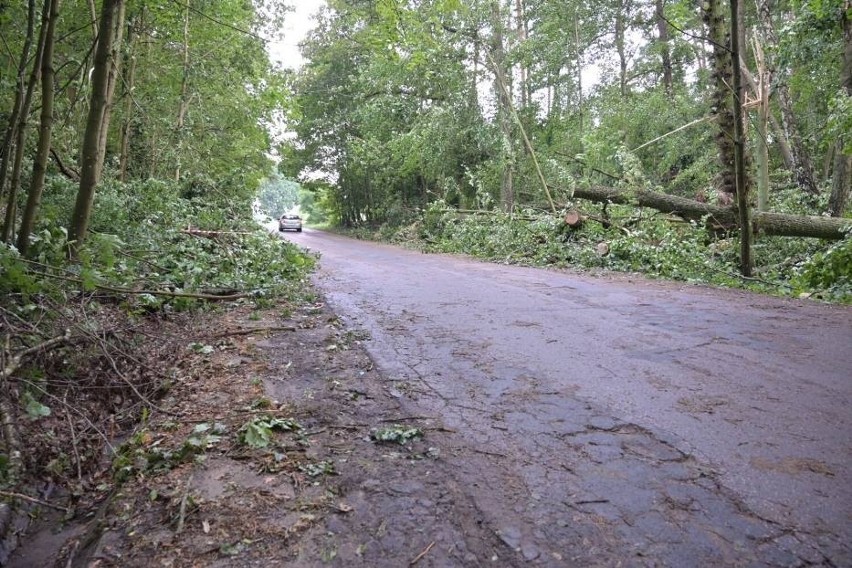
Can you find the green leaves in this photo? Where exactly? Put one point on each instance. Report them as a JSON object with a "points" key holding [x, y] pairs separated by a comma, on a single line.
{"points": [[397, 434], [257, 432], [34, 408]]}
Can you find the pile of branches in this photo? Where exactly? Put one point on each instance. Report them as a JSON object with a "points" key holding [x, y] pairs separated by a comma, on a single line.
{"points": [[74, 376]]}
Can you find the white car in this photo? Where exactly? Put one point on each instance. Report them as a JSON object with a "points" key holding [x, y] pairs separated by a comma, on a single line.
{"points": [[292, 222]]}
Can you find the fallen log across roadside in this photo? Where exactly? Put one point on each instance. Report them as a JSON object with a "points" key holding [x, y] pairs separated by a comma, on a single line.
{"points": [[779, 224]]}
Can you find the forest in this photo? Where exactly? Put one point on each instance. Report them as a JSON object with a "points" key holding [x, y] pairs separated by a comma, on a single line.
{"points": [[701, 141]]}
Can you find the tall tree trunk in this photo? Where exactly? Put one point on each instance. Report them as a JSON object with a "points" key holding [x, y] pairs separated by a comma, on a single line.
{"points": [[14, 138], [802, 168], [112, 75], [840, 188], [715, 20], [520, 15], [665, 50], [184, 93], [20, 91], [45, 129], [127, 119], [579, 51], [90, 168], [504, 107], [741, 174], [760, 88], [620, 28]]}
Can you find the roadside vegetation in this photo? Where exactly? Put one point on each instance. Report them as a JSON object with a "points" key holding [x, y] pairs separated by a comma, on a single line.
{"points": [[626, 239], [134, 151]]}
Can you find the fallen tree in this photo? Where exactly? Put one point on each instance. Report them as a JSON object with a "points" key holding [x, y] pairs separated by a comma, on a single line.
{"points": [[779, 224]]}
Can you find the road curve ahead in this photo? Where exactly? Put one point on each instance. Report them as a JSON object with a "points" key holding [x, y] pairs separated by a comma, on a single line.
{"points": [[602, 420]]}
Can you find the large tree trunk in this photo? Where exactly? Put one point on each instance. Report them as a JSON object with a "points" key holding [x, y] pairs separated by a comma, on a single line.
{"points": [[112, 75], [778, 224], [842, 181], [127, 120], [17, 120], [523, 33], [504, 106], [743, 206], [184, 93], [620, 30], [665, 51], [801, 167], [51, 14], [20, 91], [90, 168], [714, 18]]}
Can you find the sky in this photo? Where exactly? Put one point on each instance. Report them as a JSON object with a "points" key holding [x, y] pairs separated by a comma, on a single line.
{"points": [[296, 26]]}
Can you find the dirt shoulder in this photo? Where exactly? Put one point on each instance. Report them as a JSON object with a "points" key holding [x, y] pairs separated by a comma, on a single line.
{"points": [[267, 456]]}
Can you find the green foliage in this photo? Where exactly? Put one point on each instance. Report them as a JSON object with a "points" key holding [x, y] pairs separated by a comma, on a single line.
{"points": [[639, 241], [397, 434], [318, 469], [139, 242], [828, 272], [257, 432], [141, 455]]}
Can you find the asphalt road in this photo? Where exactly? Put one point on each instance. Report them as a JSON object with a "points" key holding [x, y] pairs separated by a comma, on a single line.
{"points": [[604, 419]]}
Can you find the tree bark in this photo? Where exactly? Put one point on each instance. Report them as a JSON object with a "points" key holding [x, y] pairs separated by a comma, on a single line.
{"points": [[665, 51], [504, 107], [14, 139], [842, 180], [20, 91], [620, 29], [778, 224], [112, 75], [51, 11], [715, 20], [184, 93], [91, 169], [520, 15], [127, 119], [743, 206]]}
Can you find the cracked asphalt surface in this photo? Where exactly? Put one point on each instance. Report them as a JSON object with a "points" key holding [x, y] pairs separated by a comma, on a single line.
{"points": [[615, 421]]}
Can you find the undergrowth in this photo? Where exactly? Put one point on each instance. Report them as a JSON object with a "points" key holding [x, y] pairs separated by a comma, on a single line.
{"points": [[90, 344], [627, 239]]}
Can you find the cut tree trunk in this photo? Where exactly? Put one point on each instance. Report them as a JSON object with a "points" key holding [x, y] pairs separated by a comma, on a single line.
{"points": [[574, 219], [779, 224]]}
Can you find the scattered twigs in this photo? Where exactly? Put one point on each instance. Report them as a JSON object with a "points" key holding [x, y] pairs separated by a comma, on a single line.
{"points": [[23, 497], [211, 234], [422, 554], [73, 431], [105, 350], [251, 330], [10, 364], [166, 293], [70, 408], [14, 361], [183, 502]]}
